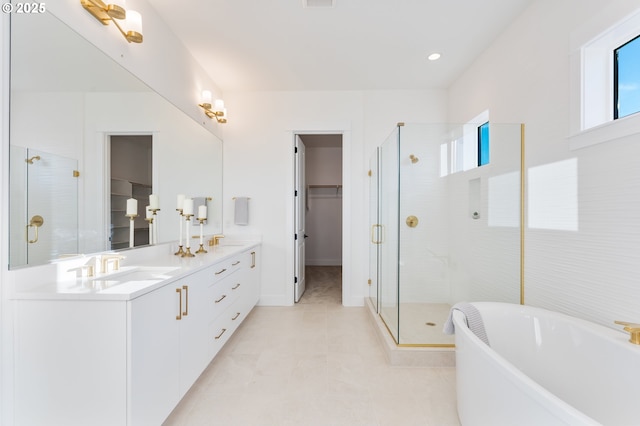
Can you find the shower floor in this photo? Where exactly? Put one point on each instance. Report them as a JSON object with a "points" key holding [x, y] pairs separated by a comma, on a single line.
{"points": [[420, 323]]}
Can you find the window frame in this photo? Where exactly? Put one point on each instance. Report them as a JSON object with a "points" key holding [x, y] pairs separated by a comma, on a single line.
{"points": [[592, 45], [616, 82], [481, 160]]}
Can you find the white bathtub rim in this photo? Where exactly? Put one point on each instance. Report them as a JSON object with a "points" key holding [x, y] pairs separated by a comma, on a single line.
{"points": [[613, 335], [541, 395]]}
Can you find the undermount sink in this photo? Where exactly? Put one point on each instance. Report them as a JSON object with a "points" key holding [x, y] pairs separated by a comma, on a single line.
{"points": [[138, 273]]}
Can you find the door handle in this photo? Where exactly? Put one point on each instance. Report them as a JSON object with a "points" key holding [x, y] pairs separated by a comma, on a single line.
{"points": [[35, 222], [376, 237]]}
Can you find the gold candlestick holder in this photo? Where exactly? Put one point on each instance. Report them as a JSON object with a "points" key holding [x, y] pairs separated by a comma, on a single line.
{"points": [[132, 218], [187, 252], [150, 222], [180, 251], [155, 225], [201, 249]]}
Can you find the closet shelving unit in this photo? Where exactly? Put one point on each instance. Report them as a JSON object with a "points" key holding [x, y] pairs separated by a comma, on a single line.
{"points": [[337, 187], [121, 190]]}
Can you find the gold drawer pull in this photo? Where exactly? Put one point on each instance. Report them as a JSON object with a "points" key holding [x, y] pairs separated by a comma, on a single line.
{"points": [[220, 300], [186, 301], [235, 263], [219, 272], [236, 317], [235, 286], [179, 316], [221, 333]]}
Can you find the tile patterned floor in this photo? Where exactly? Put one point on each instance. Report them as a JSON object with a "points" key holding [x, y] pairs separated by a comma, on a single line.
{"points": [[316, 363]]}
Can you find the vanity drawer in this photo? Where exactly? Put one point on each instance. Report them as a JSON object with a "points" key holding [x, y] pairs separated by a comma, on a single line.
{"points": [[225, 325], [223, 269], [223, 293]]}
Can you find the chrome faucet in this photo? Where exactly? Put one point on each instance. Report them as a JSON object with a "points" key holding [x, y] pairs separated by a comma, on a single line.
{"points": [[105, 259]]}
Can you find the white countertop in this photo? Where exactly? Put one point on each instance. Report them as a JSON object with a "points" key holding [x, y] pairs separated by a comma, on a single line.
{"points": [[140, 272]]}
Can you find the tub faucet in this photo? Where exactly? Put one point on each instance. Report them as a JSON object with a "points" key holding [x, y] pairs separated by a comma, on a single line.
{"points": [[110, 257], [633, 329]]}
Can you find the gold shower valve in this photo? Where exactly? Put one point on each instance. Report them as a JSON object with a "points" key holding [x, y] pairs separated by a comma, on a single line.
{"points": [[412, 221]]}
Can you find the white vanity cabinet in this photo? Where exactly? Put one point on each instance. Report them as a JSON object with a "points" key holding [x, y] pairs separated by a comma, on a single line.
{"points": [[167, 337], [129, 361]]}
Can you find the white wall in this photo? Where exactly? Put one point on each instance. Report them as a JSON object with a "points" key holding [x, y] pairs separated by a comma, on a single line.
{"points": [[259, 163], [582, 245]]}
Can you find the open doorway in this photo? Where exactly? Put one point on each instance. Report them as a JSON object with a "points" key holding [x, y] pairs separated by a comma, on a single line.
{"points": [[130, 159], [318, 219]]}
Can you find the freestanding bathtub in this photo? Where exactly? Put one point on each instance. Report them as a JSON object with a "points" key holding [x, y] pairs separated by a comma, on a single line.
{"points": [[544, 368]]}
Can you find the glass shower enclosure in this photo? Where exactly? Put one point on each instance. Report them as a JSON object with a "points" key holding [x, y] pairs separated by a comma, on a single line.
{"points": [[444, 229]]}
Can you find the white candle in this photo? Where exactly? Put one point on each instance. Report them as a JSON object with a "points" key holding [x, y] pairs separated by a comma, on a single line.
{"points": [[180, 203], [132, 207], [202, 212], [187, 207], [149, 212], [154, 202]]}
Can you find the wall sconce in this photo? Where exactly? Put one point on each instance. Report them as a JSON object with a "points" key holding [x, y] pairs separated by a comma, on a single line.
{"points": [[217, 111], [105, 13]]}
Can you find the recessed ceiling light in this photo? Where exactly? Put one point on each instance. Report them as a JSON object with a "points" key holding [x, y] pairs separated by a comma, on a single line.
{"points": [[434, 57]]}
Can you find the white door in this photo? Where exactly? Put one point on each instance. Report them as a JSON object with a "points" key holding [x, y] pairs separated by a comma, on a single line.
{"points": [[300, 212]]}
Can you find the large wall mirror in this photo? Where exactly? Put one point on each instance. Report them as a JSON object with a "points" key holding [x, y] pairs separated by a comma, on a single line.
{"points": [[69, 101]]}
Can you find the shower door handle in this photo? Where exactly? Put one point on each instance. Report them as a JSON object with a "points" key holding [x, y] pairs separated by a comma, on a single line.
{"points": [[35, 222], [376, 236]]}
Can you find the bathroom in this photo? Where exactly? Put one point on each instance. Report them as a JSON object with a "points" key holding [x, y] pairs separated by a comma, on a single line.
{"points": [[581, 256]]}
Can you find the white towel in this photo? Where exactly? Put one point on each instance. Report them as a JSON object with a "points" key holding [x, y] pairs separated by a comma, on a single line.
{"points": [[473, 319], [241, 213]]}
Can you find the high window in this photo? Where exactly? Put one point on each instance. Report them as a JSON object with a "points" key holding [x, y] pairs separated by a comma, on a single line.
{"points": [[483, 144], [605, 83], [626, 79]]}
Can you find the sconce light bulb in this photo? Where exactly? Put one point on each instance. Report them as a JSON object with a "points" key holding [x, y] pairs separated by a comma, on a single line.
{"points": [[134, 21], [206, 99], [219, 106]]}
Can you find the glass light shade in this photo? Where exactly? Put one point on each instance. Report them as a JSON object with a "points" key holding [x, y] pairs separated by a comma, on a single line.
{"points": [[219, 105], [133, 22], [206, 97]]}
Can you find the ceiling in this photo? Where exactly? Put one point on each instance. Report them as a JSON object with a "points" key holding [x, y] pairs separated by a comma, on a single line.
{"points": [[253, 45]]}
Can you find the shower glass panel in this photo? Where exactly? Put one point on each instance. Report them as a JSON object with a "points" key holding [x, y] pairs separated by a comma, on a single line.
{"points": [[44, 217], [450, 228], [374, 243], [387, 232]]}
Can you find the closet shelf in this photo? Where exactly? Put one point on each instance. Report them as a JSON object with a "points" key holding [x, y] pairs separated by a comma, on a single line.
{"points": [[325, 186]]}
